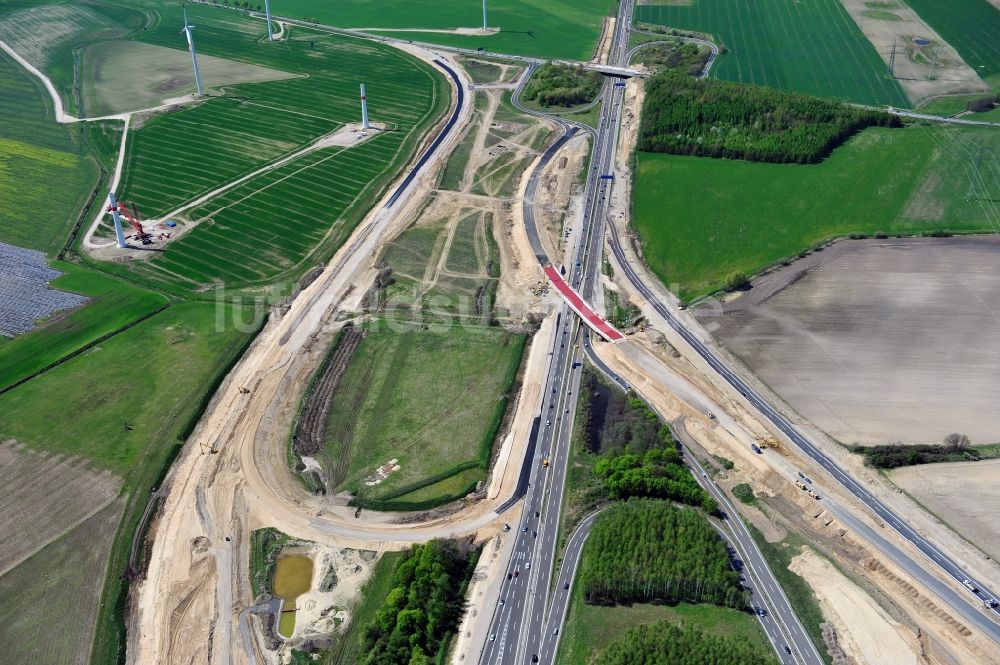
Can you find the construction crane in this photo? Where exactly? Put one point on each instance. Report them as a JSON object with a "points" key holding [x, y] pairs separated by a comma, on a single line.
{"points": [[133, 219]]}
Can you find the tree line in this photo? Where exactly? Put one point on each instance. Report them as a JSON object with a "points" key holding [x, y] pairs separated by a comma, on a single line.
{"points": [[658, 473], [416, 623], [687, 116], [955, 448], [562, 85], [669, 644], [654, 552]]}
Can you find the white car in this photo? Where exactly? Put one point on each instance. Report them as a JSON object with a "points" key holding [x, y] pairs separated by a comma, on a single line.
{"points": [[493, 637]]}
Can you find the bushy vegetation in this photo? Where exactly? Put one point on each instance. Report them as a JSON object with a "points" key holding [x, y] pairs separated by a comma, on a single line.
{"points": [[685, 57], [671, 644], [656, 473], [744, 493], [687, 116], [983, 104], [562, 85], [955, 448], [654, 552], [421, 612], [265, 546], [632, 452]]}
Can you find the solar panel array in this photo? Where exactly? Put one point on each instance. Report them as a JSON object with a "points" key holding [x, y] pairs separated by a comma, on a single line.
{"points": [[25, 296]]}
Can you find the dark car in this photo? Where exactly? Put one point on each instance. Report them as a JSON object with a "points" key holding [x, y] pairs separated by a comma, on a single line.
{"points": [[565, 585], [516, 572], [787, 650], [534, 534], [510, 575]]}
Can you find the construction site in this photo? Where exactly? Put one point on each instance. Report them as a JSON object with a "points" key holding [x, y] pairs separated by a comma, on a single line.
{"points": [[438, 276]]}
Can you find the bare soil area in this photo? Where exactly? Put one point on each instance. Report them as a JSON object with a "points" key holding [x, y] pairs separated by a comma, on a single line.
{"points": [[865, 631], [925, 65], [43, 496], [878, 341], [962, 494]]}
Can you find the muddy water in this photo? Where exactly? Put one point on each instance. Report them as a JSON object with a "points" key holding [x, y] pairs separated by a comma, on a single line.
{"points": [[292, 578]]}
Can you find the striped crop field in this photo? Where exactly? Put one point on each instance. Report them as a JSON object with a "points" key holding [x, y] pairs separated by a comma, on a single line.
{"points": [[812, 47], [971, 26], [280, 221]]}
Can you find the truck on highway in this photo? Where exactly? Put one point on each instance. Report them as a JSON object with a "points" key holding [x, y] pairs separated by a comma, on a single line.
{"points": [[545, 461], [970, 586]]}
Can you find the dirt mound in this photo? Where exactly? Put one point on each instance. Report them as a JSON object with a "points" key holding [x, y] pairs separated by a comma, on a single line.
{"points": [[310, 428]]}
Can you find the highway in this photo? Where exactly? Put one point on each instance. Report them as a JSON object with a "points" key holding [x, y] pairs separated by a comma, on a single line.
{"points": [[526, 623], [970, 613]]}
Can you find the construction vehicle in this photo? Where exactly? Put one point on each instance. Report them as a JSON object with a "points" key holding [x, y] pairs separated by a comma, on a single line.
{"points": [[801, 485], [211, 450], [133, 219], [243, 390]]}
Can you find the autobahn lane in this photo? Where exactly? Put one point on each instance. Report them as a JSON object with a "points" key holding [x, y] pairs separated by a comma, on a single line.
{"points": [[928, 549]]}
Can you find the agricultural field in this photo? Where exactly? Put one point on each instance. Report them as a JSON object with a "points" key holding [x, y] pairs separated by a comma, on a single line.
{"points": [[45, 34], [538, 28], [972, 27], [961, 495], [853, 338], [112, 86], [430, 399], [112, 305], [280, 221], [812, 47], [124, 406], [701, 220], [60, 588], [128, 397], [45, 174]]}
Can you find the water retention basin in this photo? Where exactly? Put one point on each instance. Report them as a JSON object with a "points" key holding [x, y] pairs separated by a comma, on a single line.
{"points": [[292, 578]]}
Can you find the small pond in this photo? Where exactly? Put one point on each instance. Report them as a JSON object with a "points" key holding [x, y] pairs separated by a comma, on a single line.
{"points": [[292, 578]]}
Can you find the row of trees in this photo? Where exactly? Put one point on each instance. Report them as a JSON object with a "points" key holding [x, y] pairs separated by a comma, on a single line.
{"points": [[654, 552], [669, 644], [687, 116], [562, 85], [419, 616], [954, 448]]}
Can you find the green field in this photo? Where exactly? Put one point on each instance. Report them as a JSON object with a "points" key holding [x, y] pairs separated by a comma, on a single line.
{"points": [[113, 305], [45, 175], [538, 28], [701, 220], [428, 398], [126, 399], [280, 222], [972, 27], [813, 47], [591, 628]]}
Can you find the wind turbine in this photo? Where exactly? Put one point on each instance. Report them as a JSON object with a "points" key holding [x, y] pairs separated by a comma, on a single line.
{"points": [[267, 13], [484, 16], [188, 30]]}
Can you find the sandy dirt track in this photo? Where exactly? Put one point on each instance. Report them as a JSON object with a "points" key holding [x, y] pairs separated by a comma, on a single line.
{"points": [[190, 606], [864, 630], [965, 495]]}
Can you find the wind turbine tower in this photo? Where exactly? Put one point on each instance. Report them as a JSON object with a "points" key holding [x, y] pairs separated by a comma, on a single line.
{"points": [[189, 31], [113, 209], [267, 13], [484, 16], [364, 109]]}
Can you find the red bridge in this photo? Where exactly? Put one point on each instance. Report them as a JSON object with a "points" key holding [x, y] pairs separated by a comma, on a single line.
{"points": [[583, 310]]}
